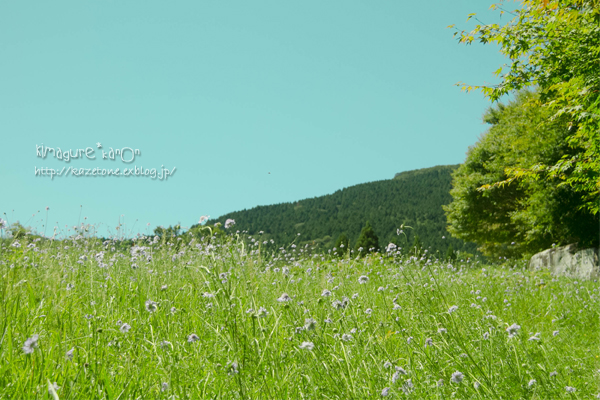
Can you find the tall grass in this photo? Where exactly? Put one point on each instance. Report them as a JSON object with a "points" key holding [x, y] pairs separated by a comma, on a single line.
{"points": [[186, 319]]}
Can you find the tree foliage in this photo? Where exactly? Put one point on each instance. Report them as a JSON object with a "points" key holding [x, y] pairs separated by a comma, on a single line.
{"points": [[554, 45], [342, 244], [367, 242], [414, 198], [525, 216]]}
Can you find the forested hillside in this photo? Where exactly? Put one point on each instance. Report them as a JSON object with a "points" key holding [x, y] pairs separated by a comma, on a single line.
{"points": [[412, 198]]}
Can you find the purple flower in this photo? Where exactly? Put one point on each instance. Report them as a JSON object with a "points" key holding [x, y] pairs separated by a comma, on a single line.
{"points": [[229, 223], [30, 344]]}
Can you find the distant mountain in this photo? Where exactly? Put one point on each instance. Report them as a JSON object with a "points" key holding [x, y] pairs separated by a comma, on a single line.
{"points": [[413, 198]]}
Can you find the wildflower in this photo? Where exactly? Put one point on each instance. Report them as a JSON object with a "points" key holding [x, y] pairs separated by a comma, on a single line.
{"points": [[368, 311], [401, 370], [164, 387], [397, 307], [193, 338], [380, 289], [442, 330], [262, 312], [30, 344], [355, 295], [307, 345], [165, 343], [531, 383], [385, 392], [309, 324], [69, 354], [151, 306], [328, 321], [428, 342], [284, 297], [457, 377], [203, 219], [125, 328], [229, 223], [476, 385], [346, 337], [387, 365], [164, 287], [513, 330], [534, 337], [233, 368], [410, 338], [408, 386], [338, 305], [555, 333], [486, 336], [363, 279], [326, 293], [440, 383], [452, 309], [208, 295], [53, 388], [3, 224], [570, 389], [553, 373]]}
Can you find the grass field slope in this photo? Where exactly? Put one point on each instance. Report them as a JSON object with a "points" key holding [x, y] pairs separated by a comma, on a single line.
{"points": [[220, 318]]}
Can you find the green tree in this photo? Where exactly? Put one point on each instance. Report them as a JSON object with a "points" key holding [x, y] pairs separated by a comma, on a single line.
{"points": [[554, 45], [524, 216], [450, 254], [342, 244], [168, 233], [368, 241]]}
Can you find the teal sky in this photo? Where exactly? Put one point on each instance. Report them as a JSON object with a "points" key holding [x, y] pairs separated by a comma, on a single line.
{"points": [[254, 103]]}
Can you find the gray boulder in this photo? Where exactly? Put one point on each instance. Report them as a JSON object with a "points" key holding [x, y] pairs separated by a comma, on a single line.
{"points": [[568, 261]]}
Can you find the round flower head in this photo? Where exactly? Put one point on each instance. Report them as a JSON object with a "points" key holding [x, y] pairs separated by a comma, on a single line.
{"points": [[284, 297], [363, 279], [513, 330], [307, 345], [193, 338], [30, 344], [457, 377], [69, 354], [151, 306], [229, 223], [310, 324]]}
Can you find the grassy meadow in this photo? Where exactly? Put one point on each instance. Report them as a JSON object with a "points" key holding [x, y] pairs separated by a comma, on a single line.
{"points": [[221, 319]]}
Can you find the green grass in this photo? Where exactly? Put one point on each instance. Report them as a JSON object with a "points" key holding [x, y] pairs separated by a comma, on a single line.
{"points": [[250, 344]]}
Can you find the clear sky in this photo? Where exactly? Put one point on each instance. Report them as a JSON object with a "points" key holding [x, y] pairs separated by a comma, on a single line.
{"points": [[253, 102]]}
